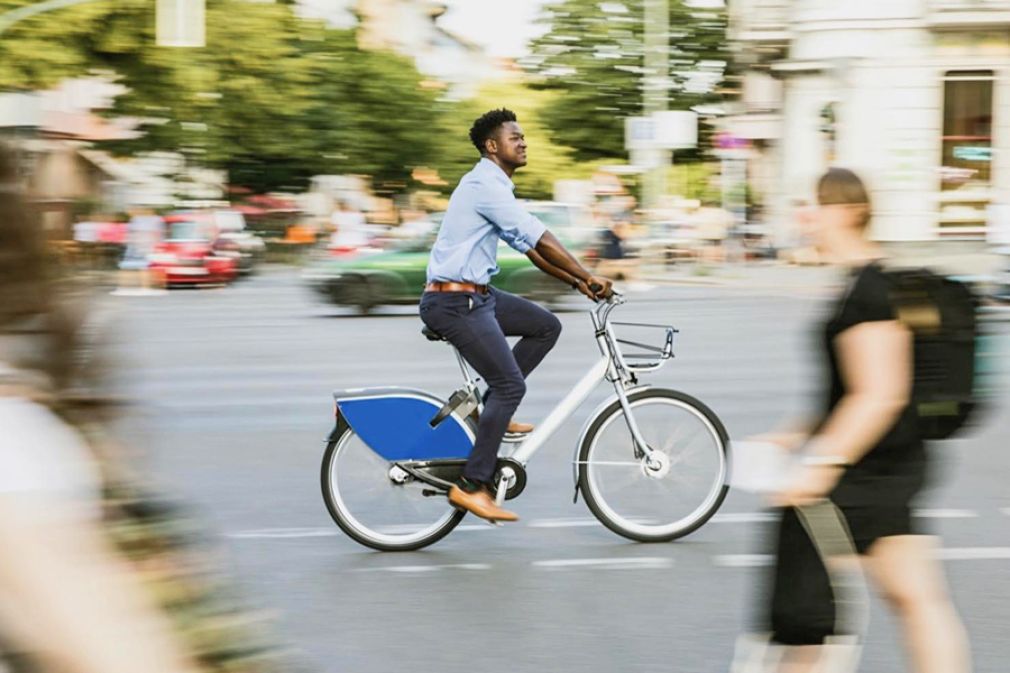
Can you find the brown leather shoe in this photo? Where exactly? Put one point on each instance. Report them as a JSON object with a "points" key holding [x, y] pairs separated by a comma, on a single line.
{"points": [[480, 503], [516, 428]]}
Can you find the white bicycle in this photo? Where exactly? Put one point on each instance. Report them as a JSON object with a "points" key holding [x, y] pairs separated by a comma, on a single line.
{"points": [[652, 463]]}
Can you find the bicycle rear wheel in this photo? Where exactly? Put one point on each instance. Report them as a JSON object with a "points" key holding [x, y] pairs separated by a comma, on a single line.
{"points": [[679, 490], [377, 504]]}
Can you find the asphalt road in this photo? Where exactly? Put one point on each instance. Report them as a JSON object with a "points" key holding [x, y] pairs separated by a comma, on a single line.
{"points": [[232, 390]]}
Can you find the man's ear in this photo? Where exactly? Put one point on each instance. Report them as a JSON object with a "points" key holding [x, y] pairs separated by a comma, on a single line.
{"points": [[490, 146]]}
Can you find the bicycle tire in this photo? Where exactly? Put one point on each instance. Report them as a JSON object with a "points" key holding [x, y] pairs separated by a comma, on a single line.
{"points": [[353, 526], [607, 513]]}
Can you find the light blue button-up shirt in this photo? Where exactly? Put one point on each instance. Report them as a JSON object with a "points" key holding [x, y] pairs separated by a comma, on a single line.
{"points": [[482, 209]]}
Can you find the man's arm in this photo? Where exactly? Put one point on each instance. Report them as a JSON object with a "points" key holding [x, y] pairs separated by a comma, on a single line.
{"points": [[550, 269], [525, 233], [557, 257]]}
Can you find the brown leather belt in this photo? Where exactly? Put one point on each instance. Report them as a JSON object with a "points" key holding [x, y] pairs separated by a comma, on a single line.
{"points": [[455, 287]]}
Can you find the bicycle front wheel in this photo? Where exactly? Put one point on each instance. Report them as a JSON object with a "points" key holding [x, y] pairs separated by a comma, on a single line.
{"points": [[670, 495], [377, 503]]}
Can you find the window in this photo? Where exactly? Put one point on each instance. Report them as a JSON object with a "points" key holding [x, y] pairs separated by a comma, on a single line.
{"points": [[966, 161], [967, 128]]}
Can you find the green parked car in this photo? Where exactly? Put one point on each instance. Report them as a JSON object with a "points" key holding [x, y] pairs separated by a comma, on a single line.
{"points": [[397, 275]]}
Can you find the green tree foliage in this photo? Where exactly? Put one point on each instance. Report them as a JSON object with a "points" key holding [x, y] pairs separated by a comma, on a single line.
{"points": [[592, 56], [272, 99], [548, 160], [42, 50], [370, 112]]}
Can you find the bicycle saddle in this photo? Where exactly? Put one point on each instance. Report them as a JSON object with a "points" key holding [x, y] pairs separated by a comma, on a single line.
{"points": [[431, 335]]}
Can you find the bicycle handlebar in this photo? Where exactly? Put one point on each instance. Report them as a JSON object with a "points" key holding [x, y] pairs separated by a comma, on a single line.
{"points": [[615, 299], [603, 307]]}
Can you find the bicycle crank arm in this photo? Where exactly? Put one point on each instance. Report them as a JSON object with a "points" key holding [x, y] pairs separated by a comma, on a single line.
{"points": [[422, 476]]}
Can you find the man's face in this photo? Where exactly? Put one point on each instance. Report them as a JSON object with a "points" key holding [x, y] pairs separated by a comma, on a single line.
{"points": [[509, 144]]}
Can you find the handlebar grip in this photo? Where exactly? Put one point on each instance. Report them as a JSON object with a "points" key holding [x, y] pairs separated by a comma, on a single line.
{"points": [[595, 288]]}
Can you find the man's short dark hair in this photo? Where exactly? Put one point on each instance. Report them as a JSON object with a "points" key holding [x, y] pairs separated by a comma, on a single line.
{"points": [[487, 124]]}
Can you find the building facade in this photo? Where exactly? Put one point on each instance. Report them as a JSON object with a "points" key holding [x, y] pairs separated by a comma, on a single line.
{"points": [[912, 94]]}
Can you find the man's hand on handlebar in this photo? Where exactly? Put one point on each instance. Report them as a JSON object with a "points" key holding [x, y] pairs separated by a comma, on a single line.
{"points": [[597, 287]]}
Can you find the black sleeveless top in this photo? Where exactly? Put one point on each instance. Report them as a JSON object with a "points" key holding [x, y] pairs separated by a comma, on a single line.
{"points": [[894, 469]]}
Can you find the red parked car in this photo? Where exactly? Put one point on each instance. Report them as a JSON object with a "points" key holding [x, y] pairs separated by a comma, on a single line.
{"points": [[186, 256]]}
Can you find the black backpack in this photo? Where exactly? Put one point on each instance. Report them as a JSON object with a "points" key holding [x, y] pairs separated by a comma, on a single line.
{"points": [[942, 314]]}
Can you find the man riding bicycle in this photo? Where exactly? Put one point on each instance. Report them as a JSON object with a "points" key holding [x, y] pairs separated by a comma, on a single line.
{"points": [[459, 304]]}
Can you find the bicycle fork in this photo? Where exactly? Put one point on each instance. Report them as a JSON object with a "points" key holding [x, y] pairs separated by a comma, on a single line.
{"points": [[642, 449], [655, 463]]}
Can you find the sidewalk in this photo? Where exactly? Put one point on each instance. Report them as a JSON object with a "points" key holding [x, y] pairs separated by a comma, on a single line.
{"points": [[754, 275], [780, 275]]}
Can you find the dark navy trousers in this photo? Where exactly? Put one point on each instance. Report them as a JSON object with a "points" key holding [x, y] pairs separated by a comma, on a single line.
{"points": [[477, 324]]}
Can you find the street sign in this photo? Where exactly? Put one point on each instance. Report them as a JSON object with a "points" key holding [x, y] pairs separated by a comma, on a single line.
{"points": [[639, 133], [181, 23], [667, 130]]}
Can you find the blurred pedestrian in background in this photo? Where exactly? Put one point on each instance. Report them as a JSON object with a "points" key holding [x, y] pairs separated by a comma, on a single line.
{"points": [[144, 231], [712, 226], [350, 227], [799, 249], [865, 455], [614, 260], [89, 564]]}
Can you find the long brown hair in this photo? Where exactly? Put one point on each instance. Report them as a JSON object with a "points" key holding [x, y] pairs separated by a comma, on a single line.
{"points": [[24, 286], [38, 331], [842, 187]]}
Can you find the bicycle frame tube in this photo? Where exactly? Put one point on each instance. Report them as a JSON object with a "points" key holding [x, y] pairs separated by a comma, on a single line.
{"points": [[576, 396]]}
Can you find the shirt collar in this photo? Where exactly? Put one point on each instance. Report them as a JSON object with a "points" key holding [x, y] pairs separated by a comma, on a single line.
{"points": [[495, 171]]}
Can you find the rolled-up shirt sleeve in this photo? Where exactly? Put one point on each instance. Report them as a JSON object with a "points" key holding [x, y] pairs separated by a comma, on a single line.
{"points": [[517, 227]]}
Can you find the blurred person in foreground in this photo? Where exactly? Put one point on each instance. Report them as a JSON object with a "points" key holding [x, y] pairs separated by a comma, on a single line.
{"points": [[866, 456], [87, 566], [459, 303]]}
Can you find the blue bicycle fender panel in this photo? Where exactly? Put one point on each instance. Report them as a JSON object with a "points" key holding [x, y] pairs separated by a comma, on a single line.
{"points": [[396, 426]]}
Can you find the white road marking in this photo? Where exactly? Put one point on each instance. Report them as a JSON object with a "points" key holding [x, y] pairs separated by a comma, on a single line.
{"points": [[945, 513], [1005, 510], [563, 523], [743, 560], [632, 563], [743, 517], [973, 553], [296, 533], [282, 533], [945, 554], [405, 529], [574, 522], [427, 568]]}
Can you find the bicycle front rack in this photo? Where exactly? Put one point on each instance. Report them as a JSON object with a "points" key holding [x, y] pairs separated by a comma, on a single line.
{"points": [[648, 357]]}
